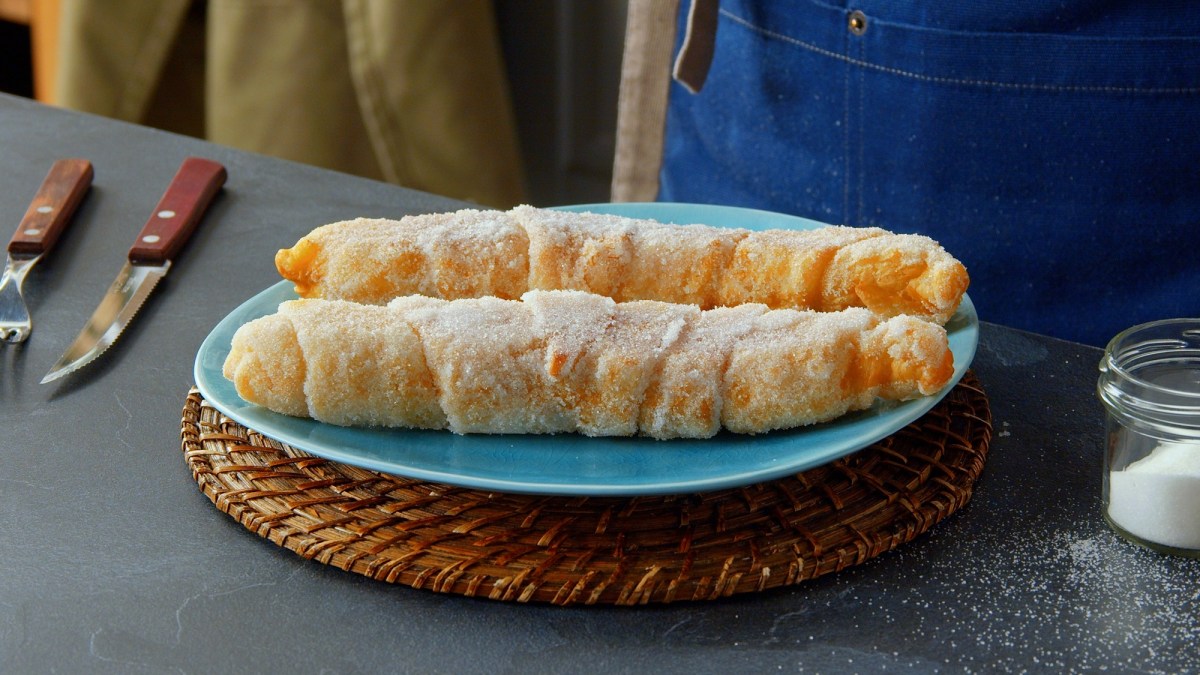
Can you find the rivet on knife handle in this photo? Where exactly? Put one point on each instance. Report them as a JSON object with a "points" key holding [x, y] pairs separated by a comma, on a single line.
{"points": [[52, 207], [178, 212]]}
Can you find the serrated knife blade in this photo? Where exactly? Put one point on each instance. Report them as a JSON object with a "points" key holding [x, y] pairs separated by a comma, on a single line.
{"points": [[173, 221]]}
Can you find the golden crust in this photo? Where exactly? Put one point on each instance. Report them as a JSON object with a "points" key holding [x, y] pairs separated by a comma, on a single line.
{"points": [[479, 253], [898, 274], [466, 253], [786, 268], [267, 366]]}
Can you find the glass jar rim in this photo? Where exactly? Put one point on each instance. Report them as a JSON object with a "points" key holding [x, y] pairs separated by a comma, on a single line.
{"points": [[1113, 351]]}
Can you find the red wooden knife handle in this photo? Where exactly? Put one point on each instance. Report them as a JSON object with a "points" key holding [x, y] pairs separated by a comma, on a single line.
{"points": [[52, 207], [179, 211]]}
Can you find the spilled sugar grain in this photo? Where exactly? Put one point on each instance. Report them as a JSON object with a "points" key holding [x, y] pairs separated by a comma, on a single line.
{"points": [[1079, 600]]}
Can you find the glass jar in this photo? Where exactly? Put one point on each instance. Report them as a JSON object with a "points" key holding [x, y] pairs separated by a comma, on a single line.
{"points": [[1150, 386]]}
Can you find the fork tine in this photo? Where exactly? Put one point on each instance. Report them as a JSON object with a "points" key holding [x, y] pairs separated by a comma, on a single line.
{"points": [[14, 335], [15, 323]]}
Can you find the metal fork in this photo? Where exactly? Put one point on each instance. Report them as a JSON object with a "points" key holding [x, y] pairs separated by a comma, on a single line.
{"points": [[53, 205]]}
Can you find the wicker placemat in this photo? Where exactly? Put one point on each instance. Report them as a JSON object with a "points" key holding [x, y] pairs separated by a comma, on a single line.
{"points": [[611, 550]]}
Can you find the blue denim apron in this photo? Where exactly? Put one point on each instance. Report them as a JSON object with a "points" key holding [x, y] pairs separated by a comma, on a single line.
{"points": [[1055, 150]]}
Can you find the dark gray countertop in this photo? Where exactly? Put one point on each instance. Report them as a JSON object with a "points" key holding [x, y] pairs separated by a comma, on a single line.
{"points": [[111, 559]]}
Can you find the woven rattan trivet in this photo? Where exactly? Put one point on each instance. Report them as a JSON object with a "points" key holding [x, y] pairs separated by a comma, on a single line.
{"points": [[611, 550]]}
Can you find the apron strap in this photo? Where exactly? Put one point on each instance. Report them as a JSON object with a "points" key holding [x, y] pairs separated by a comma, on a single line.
{"points": [[642, 103]]}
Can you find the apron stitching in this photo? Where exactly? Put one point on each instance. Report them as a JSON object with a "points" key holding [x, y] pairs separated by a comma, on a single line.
{"points": [[951, 80], [862, 116], [846, 143]]}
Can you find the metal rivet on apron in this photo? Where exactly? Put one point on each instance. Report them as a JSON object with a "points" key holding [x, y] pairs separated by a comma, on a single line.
{"points": [[858, 22]]}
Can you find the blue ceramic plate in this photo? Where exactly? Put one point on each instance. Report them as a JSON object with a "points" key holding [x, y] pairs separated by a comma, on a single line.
{"points": [[569, 464]]}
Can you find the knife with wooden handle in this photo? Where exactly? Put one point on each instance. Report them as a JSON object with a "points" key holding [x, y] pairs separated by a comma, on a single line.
{"points": [[173, 221]]}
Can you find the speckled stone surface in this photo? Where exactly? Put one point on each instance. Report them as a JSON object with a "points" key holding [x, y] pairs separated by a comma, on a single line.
{"points": [[113, 561]]}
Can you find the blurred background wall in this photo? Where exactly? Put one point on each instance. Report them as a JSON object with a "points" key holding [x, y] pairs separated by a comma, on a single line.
{"points": [[564, 66], [562, 59], [16, 48]]}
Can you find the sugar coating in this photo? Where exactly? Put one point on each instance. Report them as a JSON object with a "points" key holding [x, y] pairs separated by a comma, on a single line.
{"points": [[810, 356], [473, 253], [384, 362], [625, 361], [571, 321], [570, 361], [576, 251], [686, 396], [489, 364]]}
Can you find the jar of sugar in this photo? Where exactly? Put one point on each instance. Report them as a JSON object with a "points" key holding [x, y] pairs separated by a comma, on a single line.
{"points": [[1150, 387]]}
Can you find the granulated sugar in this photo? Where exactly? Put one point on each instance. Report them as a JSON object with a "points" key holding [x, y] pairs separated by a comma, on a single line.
{"points": [[1157, 498]]}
